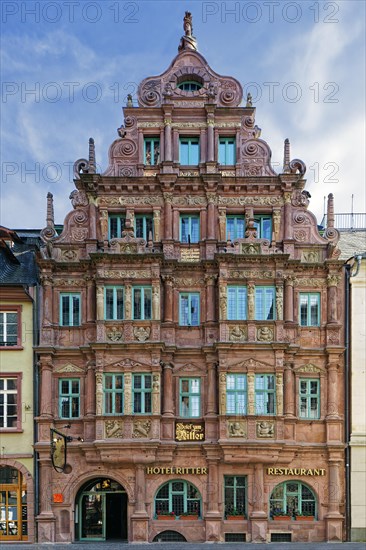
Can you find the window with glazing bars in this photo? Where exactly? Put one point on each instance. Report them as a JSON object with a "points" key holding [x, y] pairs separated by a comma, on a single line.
{"points": [[189, 151], [309, 398], [235, 495], [189, 309], [190, 396], [236, 303], [292, 498], [189, 229], [144, 226], [235, 227], [8, 402], [141, 297], [8, 328], [69, 398], [113, 303], [227, 150], [309, 309], [178, 497], [113, 393], [70, 310], [141, 390], [265, 394], [151, 151], [265, 303], [236, 394], [116, 225], [263, 225]]}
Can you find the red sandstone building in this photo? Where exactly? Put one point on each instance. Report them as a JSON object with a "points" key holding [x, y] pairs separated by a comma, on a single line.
{"points": [[191, 333]]}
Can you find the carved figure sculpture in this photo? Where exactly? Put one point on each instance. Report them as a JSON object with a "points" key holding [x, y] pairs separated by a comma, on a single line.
{"points": [[265, 429], [279, 302], [237, 334], [188, 41], [223, 302], [141, 428], [251, 300], [156, 225], [222, 225], [265, 334], [236, 429]]}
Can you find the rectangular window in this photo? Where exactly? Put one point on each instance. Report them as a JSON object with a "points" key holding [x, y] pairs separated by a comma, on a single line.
{"points": [[189, 151], [265, 394], [236, 394], [143, 226], [235, 227], [9, 406], [309, 309], [190, 397], [235, 495], [113, 394], [263, 225], [227, 150], [151, 151], [236, 303], [141, 297], [189, 229], [309, 399], [116, 225], [9, 328], [69, 398], [189, 309], [264, 303], [113, 303], [141, 390], [70, 310]]}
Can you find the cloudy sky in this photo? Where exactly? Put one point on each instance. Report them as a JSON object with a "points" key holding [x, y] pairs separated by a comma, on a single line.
{"points": [[67, 67]]}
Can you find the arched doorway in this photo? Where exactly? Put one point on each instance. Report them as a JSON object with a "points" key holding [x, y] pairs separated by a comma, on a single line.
{"points": [[101, 511], [13, 505]]}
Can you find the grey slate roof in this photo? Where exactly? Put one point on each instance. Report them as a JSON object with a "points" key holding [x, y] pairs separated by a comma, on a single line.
{"points": [[352, 243], [18, 263]]}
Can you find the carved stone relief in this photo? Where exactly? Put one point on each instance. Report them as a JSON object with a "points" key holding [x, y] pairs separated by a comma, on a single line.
{"points": [[115, 334], [113, 428], [237, 333], [265, 334], [141, 428], [236, 428], [265, 428], [141, 333]]}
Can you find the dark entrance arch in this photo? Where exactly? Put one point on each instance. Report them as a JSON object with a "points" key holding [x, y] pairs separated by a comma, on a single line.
{"points": [[101, 511]]}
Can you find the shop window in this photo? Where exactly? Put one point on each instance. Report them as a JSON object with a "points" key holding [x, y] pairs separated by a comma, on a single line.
{"points": [[151, 151], [309, 398], [69, 398], [141, 390], [263, 225], [265, 394], [292, 498], [236, 394], [235, 488], [309, 309], [116, 225], [113, 303], [235, 227], [189, 310], [265, 303], [10, 327], [236, 303], [113, 393], [141, 298], [190, 397], [227, 150], [189, 229], [177, 497], [70, 311], [189, 151], [143, 226], [10, 402], [13, 505]]}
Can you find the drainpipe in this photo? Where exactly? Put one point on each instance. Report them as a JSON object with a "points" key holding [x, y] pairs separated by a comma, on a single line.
{"points": [[347, 401]]}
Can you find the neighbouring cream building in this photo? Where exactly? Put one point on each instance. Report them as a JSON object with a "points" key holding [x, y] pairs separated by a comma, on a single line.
{"points": [[18, 308], [192, 333]]}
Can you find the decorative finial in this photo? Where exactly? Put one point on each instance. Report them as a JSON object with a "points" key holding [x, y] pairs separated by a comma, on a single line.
{"points": [[330, 211], [249, 100], [50, 217], [188, 41], [286, 156], [129, 100], [92, 166]]}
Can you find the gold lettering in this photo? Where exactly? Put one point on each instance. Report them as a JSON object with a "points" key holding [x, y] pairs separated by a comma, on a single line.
{"points": [[316, 472], [322, 472], [276, 472], [290, 472], [156, 471], [198, 471], [204, 470], [178, 470], [297, 471], [149, 470], [270, 471], [309, 472], [302, 472]]}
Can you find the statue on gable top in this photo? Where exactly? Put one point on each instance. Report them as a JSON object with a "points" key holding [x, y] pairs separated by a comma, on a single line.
{"points": [[188, 41]]}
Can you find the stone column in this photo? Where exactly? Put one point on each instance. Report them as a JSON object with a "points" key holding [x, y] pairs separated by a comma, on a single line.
{"points": [[334, 487], [140, 489], [90, 390], [168, 140], [213, 486], [99, 393], [289, 298], [289, 391], [332, 282], [175, 224], [156, 393], [332, 406], [210, 141], [46, 388], [210, 297], [162, 145], [47, 283], [251, 301], [211, 390], [156, 301], [258, 489], [168, 299], [276, 224], [211, 215], [141, 146], [128, 393], [279, 302], [203, 143], [222, 393], [100, 303], [90, 302], [175, 146], [287, 215], [251, 393], [279, 394], [223, 300], [222, 224], [46, 486], [156, 225], [168, 390], [168, 198], [128, 301]]}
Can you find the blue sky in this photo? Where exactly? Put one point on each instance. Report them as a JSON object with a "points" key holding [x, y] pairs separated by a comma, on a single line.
{"points": [[67, 66]]}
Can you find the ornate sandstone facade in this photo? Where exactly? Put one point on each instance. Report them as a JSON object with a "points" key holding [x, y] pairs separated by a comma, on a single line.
{"points": [[191, 332]]}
